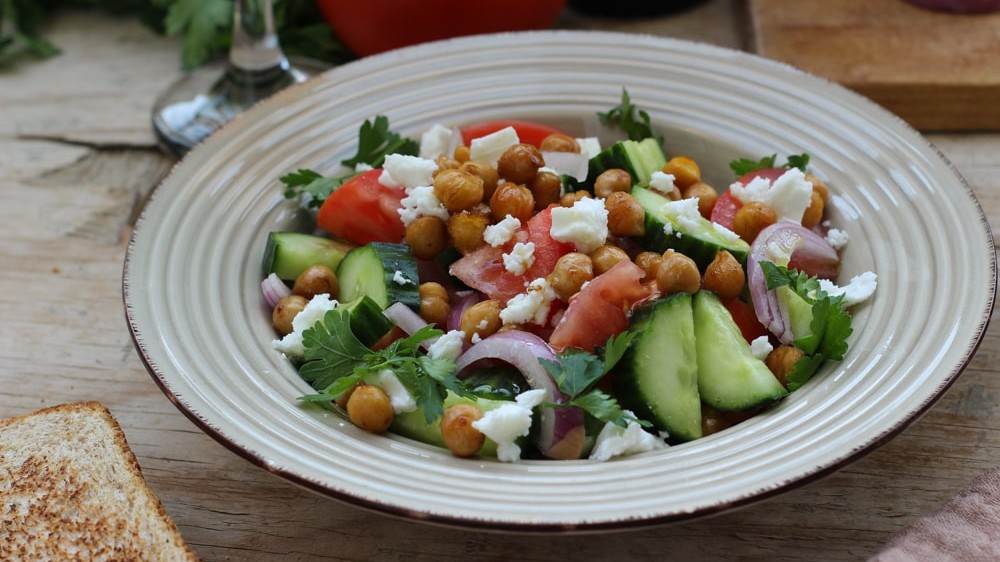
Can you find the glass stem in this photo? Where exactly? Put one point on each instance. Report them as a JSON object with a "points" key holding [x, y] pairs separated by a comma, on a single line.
{"points": [[256, 62]]}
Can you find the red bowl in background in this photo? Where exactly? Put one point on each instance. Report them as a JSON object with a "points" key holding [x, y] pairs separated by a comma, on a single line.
{"points": [[367, 27]]}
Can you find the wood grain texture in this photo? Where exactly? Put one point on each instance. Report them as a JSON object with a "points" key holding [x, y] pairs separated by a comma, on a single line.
{"points": [[71, 179], [937, 70]]}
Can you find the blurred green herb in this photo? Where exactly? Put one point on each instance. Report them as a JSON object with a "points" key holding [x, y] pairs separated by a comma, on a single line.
{"points": [[624, 117]]}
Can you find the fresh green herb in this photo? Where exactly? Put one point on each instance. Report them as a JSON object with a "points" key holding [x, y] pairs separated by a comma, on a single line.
{"points": [[335, 360], [744, 166], [375, 141], [623, 116], [830, 325], [313, 184], [576, 372]]}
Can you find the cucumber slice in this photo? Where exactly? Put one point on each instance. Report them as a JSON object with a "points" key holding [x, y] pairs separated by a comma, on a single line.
{"points": [[639, 158], [800, 316], [694, 236], [387, 273], [366, 319], [413, 425], [287, 254], [658, 376], [730, 378]]}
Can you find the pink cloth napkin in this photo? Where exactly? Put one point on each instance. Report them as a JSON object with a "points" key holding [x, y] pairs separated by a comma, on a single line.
{"points": [[965, 529]]}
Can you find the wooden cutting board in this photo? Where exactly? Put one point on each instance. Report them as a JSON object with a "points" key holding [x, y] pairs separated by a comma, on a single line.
{"points": [[939, 71]]}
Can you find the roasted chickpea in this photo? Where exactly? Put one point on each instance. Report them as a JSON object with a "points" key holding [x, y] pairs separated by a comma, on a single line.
{"points": [[605, 257], [482, 318], [820, 186], [546, 188], [814, 212], [445, 163], [610, 181], [558, 142], [677, 274], [370, 409], [457, 432], [427, 237], [649, 262], [712, 420], [569, 199], [462, 153], [316, 280], [626, 217], [685, 171], [570, 273], [434, 307], [343, 398], [520, 163], [781, 360], [458, 190], [706, 194], [466, 230], [724, 275], [514, 200], [487, 173], [284, 312], [752, 218]]}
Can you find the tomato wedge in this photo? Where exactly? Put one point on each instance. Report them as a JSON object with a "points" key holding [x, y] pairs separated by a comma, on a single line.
{"points": [[745, 317], [362, 210], [600, 310], [528, 131]]}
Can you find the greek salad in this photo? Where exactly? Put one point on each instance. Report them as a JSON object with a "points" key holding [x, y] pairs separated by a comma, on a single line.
{"points": [[510, 291]]}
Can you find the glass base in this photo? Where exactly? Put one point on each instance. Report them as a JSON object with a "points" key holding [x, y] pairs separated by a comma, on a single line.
{"points": [[207, 98]]}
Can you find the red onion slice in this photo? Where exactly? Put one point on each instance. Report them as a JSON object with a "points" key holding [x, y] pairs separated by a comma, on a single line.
{"points": [[561, 434], [407, 320], [799, 241], [274, 289]]}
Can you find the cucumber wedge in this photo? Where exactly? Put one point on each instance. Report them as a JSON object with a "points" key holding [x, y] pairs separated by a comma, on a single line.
{"points": [[413, 425], [657, 378], [387, 273], [367, 321], [639, 158], [287, 254], [695, 236], [730, 378]]}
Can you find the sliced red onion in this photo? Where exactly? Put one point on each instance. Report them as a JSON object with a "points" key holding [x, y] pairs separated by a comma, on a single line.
{"points": [[791, 238], [572, 164], [407, 320], [274, 289], [561, 434], [460, 301]]}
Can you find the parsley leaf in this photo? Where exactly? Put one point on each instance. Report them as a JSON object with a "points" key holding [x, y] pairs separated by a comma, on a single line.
{"points": [[800, 161], [375, 141], [605, 408], [744, 166], [331, 349], [312, 184], [202, 25], [623, 116]]}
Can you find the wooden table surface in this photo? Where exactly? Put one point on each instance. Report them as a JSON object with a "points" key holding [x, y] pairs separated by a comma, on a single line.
{"points": [[77, 158]]}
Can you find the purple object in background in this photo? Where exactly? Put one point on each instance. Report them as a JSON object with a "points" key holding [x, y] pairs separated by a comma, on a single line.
{"points": [[959, 6]]}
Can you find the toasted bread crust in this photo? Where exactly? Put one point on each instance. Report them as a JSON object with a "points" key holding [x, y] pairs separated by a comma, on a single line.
{"points": [[72, 489]]}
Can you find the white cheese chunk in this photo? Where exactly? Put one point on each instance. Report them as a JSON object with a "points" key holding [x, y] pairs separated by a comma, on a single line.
{"points": [[836, 238], [760, 347], [585, 224], [662, 182], [520, 258], [401, 170], [489, 148], [313, 312], [498, 234], [614, 440], [421, 201], [436, 142], [530, 307], [448, 346], [400, 398], [508, 422], [789, 195], [858, 290], [591, 146], [400, 279]]}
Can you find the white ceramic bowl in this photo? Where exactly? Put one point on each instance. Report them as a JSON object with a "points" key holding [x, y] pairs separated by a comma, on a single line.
{"points": [[193, 268]]}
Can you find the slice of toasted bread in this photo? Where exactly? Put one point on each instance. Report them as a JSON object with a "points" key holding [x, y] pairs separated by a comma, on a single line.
{"points": [[71, 489]]}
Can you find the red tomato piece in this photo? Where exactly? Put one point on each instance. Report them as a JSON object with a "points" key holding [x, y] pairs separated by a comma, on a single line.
{"points": [[600, 310], [745, 317], [362, 210], [483, 269], [528, 131]]}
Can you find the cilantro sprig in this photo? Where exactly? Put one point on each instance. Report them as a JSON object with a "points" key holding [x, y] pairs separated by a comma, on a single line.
{"points": [[577, 372], [375, 141], [335, 360], [830, 325], [624, 117], [744, 166]]}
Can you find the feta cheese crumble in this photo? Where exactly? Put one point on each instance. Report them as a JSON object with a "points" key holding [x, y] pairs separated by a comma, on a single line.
{"points": [[448, 346], [490, 147], [531, 306], [789, 195], [520, 258], [760, 347], [585, 224], [614, 440], [400, 398], [591, 146], [313, 312], [436, 142], [683, 212], [421, 201], [858, 290], [836, 238], [400, 279], [510, 421], [662, 183], [401, 170], [498, 234]]}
